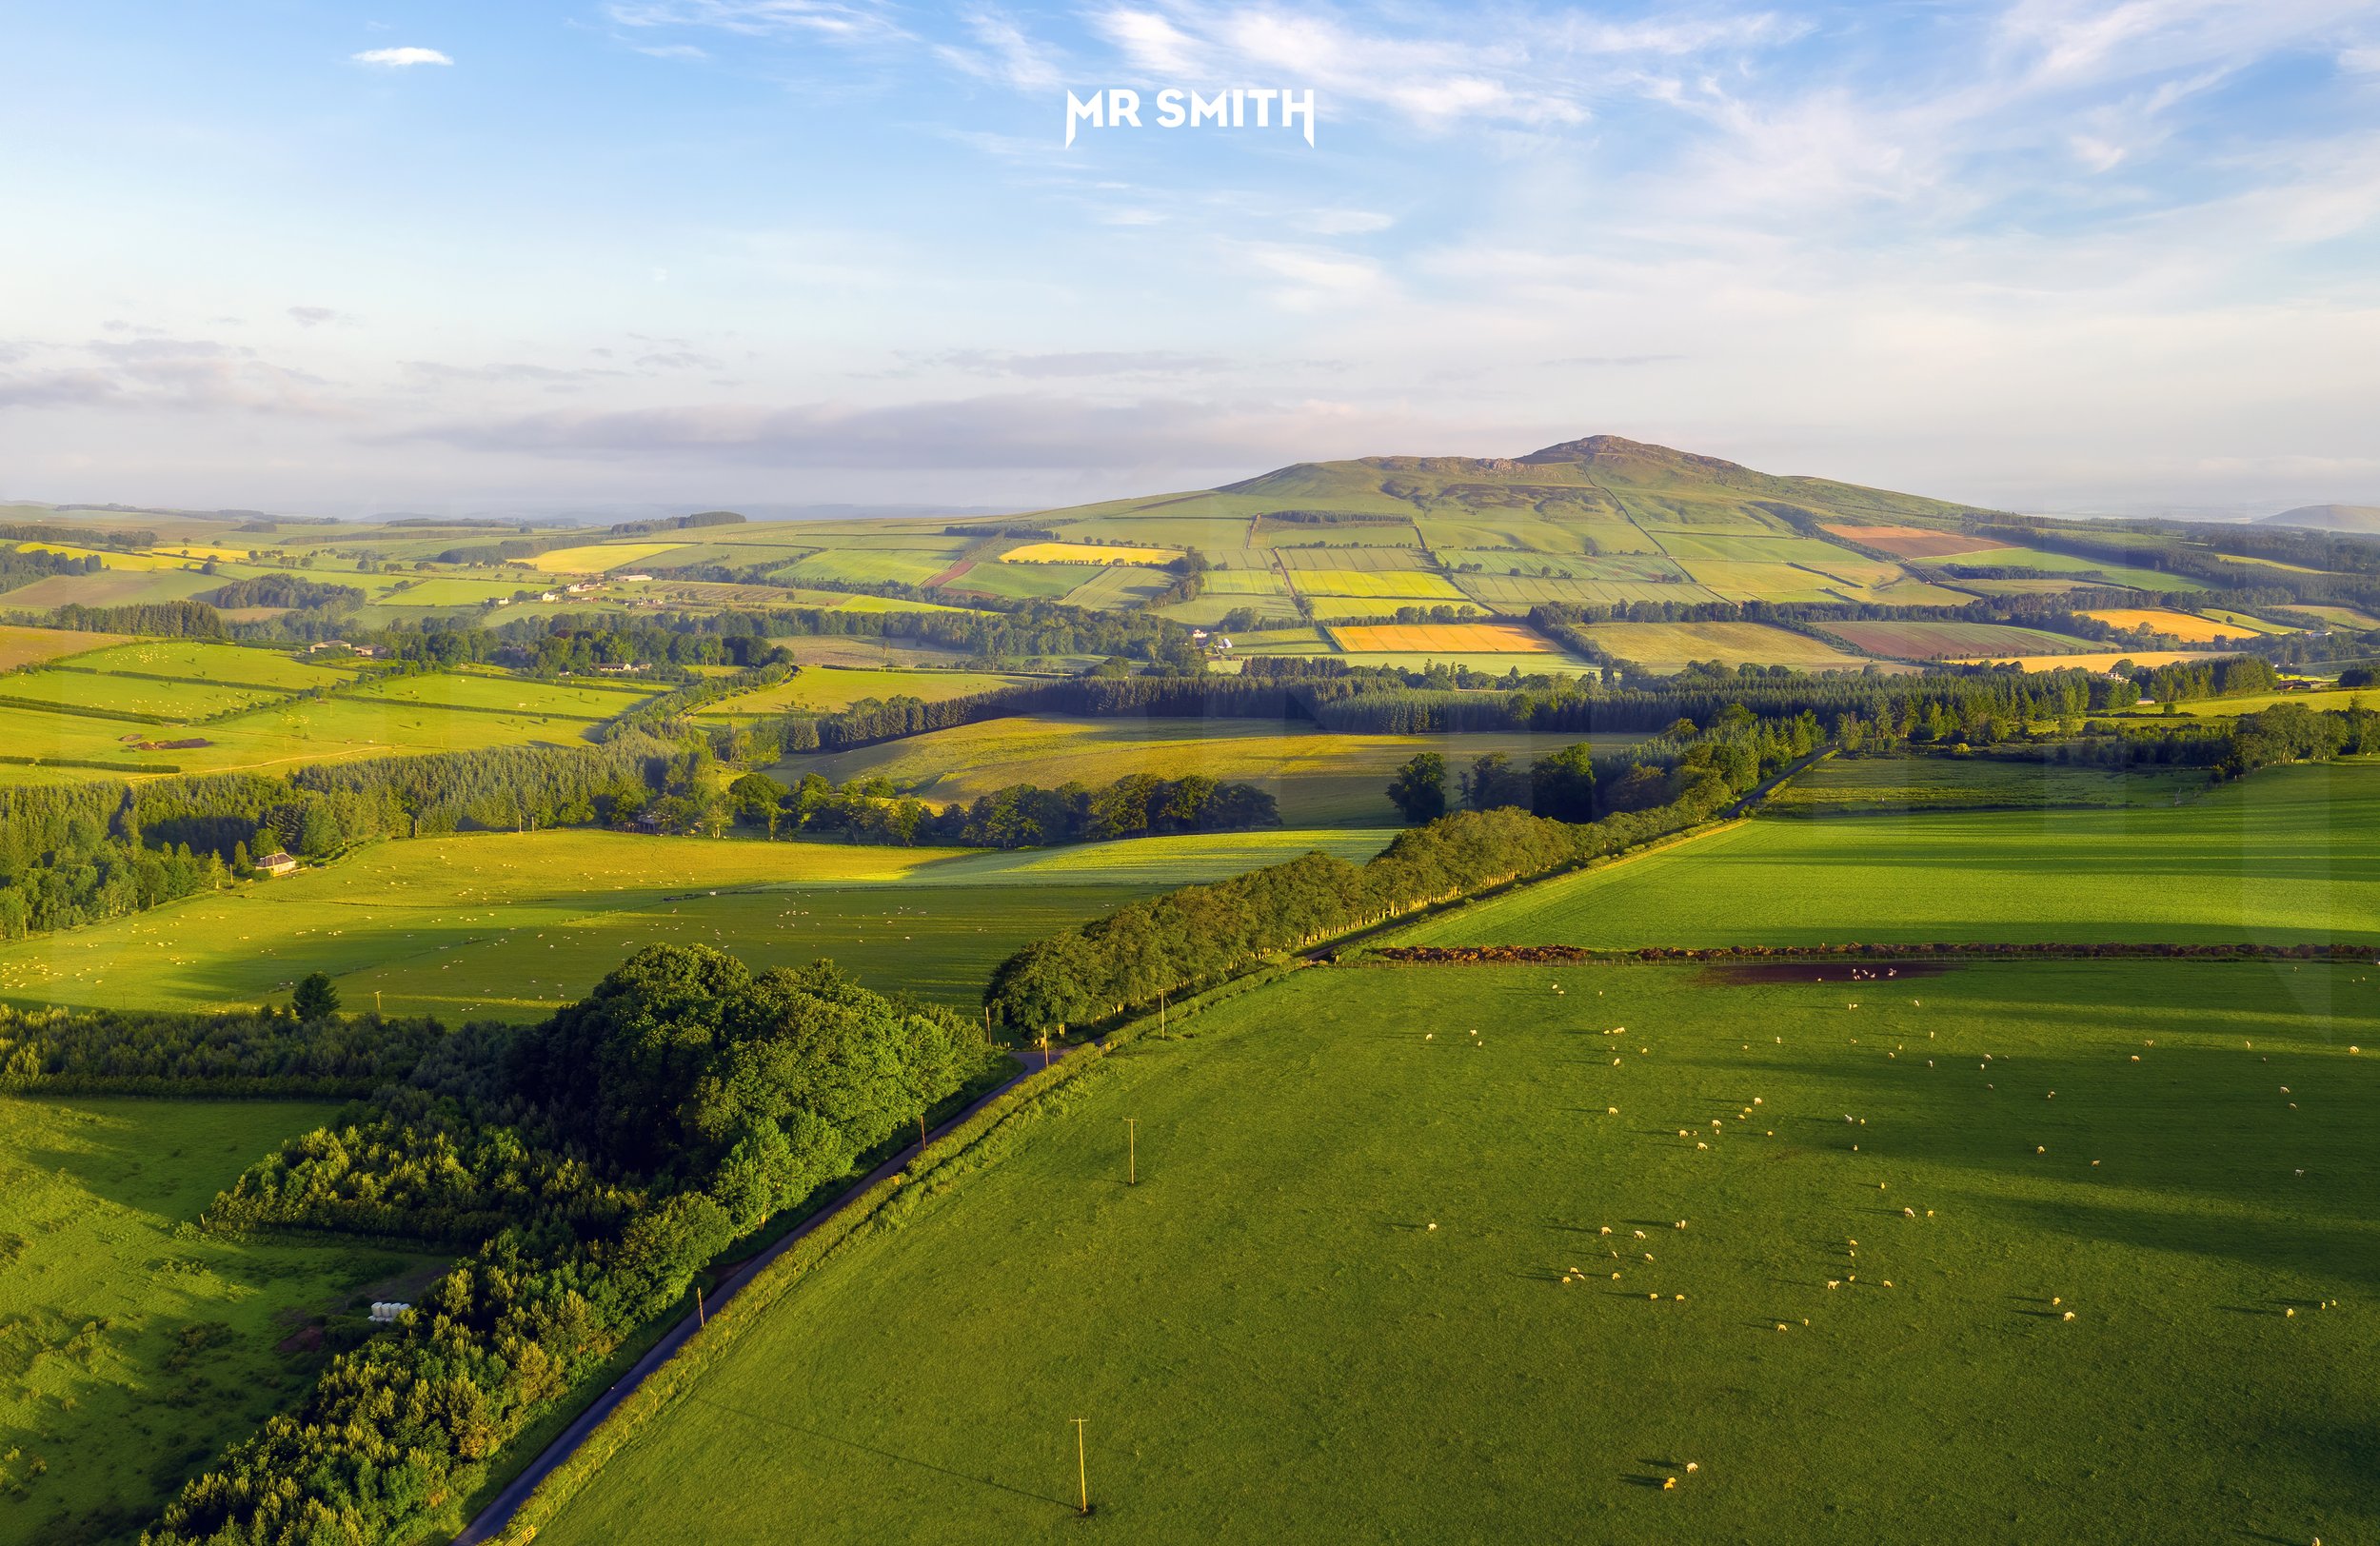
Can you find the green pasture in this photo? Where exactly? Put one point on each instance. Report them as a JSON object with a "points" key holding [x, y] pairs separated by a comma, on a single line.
{"points": [[1245, 582], [1020, 581], [512, 926], [197, 660], [2288, 856], [1320, 778], [1363, 1288], [1748, 582], [1121, 585], [506, 694], [72, 693], [133, 1347], [1862, 785], [2033, 558]]}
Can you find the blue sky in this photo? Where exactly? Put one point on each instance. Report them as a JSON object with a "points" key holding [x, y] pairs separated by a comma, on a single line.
{"points": [[2056, 254]]}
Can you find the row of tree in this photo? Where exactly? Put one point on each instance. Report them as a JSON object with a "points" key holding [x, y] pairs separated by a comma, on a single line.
{"points": [[1202, 934], [1021, 816]]}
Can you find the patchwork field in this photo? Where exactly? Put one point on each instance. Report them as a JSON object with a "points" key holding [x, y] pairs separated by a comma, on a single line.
{"points": [[1457, 638], [512, 926], [1944, 640], [2291, 856], [133, 1347], [1668, 648], [1320, 778], [1363, 1288]]}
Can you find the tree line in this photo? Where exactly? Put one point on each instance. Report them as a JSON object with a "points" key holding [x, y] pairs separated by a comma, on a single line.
{"points": [[74, 854], [1021, 816], [1202, 934]]}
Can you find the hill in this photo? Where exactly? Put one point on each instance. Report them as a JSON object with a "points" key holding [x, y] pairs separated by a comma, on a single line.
{"points": [[2328, 518], [1598, 479]]}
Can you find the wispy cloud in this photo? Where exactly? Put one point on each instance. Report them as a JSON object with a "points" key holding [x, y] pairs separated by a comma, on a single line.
{"points": [[400, 58], [999, 50], [824, 19], [313, 316]]}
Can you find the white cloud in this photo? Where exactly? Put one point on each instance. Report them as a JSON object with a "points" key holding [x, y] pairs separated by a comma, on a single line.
{"points": [[1002, 53], [400, 58], [824, 19], [2360, 61]]}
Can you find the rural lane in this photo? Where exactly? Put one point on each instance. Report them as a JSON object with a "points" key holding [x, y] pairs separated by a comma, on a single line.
{"points": [[491, 1520]]}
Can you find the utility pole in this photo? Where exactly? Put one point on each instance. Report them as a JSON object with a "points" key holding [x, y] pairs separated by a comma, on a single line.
{"points": [[375, 1001], [1082, 1466], [700, 1318], [1161, 1014], [1132, 1151], [921, 1132]]}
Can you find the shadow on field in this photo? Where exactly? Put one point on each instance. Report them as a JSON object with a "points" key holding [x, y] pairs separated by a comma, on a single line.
{"points": [[881, 1454]]}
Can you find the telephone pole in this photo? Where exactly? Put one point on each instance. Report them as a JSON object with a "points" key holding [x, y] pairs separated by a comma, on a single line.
{"points": [[1132, 1151], [700, 1318], [1081, 1468]]}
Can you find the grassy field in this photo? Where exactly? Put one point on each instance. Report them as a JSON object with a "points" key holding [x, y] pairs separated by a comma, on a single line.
{"points": [[1862, 785], [2325, 699], [1320, 778], [2291, 855], [1363, 1292], [73, 692], [507, 695], [511, 926], [196, 660], [825, 689], [1943, 640], [133, 1348], [35, 646], [1665, 647]]}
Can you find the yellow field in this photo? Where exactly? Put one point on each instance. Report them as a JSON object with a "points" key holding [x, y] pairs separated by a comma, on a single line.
{"points": [[2197, 630], [1466, 638], [2090, 662], [1087, 554], [107, 561], [599, 556]]}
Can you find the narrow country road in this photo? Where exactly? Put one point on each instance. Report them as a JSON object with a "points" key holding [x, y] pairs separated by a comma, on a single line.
{"points": [[491, 1520]]}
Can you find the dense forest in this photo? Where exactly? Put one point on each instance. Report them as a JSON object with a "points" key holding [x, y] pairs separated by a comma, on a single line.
{"points": [[589, 1166]]}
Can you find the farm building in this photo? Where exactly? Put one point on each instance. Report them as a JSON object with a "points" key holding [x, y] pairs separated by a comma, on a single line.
{"points": [[276, 864]]}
